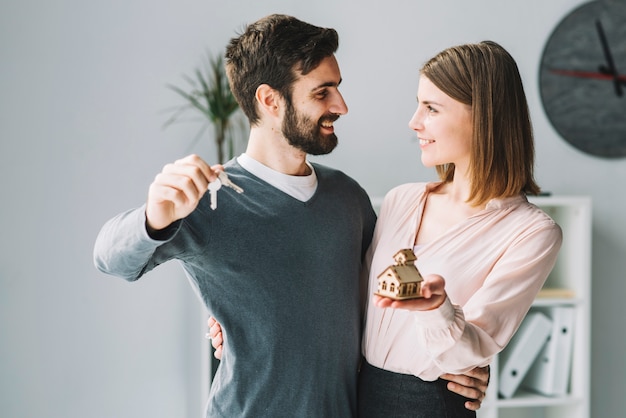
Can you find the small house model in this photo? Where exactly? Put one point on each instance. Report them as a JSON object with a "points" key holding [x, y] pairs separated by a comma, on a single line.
{"points": [[401, 280]]}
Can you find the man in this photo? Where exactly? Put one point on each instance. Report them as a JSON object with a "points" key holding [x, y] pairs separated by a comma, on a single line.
{"points": [[279, 265]]}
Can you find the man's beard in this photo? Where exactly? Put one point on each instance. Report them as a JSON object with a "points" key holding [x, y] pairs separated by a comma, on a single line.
{"points": [[302, 133]]}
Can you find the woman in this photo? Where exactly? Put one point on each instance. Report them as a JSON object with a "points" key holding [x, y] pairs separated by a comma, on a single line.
{"points": [[483, 250]]}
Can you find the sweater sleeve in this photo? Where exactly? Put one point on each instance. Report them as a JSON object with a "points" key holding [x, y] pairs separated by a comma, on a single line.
{"points": [[124, 248]]}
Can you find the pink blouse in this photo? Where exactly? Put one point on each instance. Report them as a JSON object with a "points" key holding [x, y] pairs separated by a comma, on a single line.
{"points": [[494, 264]]}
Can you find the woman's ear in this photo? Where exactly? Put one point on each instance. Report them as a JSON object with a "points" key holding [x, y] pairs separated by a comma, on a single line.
{"points": [[269, 100]]}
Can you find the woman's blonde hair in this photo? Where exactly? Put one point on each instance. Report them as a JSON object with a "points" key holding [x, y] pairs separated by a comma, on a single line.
{"points": [[485, 77]]}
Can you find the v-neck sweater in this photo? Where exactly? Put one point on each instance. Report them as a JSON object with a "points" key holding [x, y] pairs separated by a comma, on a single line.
{"points": [[282, 278]]}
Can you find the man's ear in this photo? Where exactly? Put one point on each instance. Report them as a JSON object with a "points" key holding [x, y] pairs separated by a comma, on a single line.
{"points": [[269, 100]]}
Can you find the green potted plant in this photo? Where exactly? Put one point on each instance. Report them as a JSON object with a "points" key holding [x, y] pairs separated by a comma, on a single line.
{"points": [[209, 93]]}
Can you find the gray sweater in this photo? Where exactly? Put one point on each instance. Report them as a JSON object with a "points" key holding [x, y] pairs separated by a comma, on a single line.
{"points": [[281, 276]]}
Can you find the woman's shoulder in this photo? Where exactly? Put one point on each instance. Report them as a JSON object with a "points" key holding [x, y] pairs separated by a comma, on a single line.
{"points": [[534, 219], [405, 196], [410, 189]]}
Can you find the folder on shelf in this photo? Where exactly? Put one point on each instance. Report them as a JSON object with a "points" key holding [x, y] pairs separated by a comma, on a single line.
{"points": [[522, 350], [549, 374]]}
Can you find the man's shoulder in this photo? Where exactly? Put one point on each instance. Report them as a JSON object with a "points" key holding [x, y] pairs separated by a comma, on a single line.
{"points": [[325, 173], [324, 169]]}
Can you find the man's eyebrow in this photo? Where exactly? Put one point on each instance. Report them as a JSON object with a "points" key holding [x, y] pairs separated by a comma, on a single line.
{"points": [[327, 84]]}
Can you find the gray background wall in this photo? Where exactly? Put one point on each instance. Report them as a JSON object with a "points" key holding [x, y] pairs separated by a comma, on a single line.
{"points": [[82, 103]]}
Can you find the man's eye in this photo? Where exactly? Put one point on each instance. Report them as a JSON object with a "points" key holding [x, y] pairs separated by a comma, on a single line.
{"points": [[321, 94]]}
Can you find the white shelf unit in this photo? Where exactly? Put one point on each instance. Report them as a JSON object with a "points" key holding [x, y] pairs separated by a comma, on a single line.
{"points": [[573, 272]]}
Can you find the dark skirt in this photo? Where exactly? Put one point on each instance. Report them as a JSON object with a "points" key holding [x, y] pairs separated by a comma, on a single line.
{"points": [[393, 395]]}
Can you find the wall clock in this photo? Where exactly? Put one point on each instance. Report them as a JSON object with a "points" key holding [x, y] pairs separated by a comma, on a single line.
{"points": [[582, 78]]}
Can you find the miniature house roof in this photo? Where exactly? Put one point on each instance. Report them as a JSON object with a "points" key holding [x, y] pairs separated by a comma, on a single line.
{"points": [[403, 274], [405, 256], [404, 271]]}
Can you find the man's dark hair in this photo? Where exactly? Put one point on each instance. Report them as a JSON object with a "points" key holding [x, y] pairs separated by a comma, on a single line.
{"points": [[274, 51]]}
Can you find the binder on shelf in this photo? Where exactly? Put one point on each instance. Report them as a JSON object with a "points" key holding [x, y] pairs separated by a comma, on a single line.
{"points": [[522, 350], [549, 374]]}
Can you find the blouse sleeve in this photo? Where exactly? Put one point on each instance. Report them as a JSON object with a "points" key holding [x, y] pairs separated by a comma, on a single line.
{"points": [[460, 338]]}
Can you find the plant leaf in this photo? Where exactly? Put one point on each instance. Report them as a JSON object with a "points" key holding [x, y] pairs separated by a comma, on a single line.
{"points": [[209, 94]]}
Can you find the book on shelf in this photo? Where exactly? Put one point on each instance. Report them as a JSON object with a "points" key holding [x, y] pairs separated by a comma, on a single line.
{"points": [[550, 372], [522, 351], [556, 293]]}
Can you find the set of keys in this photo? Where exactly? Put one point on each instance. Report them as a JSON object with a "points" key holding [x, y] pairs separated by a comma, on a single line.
{"points": [[221, 180]]}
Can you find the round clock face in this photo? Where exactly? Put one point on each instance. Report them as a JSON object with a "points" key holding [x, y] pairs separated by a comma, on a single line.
{"points": [[582, 78]]}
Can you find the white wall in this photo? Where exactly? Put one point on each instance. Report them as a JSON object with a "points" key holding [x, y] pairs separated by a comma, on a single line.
{"points": [[82, 101]]}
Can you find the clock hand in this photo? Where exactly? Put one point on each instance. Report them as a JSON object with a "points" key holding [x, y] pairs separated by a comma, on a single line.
{"points": [[589, 74], [609, 60]]}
